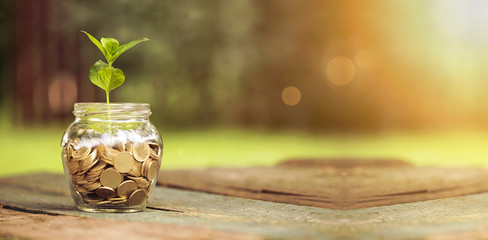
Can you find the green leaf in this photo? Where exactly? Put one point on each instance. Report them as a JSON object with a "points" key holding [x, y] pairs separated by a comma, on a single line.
{"points": [[94, 73], [117, 79], [96, 42], [104, 77], [128, 46], [110, 44]]}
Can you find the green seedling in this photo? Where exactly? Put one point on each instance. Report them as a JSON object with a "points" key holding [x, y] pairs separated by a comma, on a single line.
{"points": [[103, 74]]}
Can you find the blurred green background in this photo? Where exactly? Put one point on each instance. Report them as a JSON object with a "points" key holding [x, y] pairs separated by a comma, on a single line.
{"points": [[245, 83]]}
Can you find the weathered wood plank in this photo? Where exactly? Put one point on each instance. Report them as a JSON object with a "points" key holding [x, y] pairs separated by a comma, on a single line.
{"points": [[50, 193], [434, 219], [20, 224], [336, 184]]}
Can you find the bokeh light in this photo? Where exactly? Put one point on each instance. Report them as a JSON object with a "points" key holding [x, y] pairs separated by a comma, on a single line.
{"points": [[341, 70], [291, 96], [62, 93]]}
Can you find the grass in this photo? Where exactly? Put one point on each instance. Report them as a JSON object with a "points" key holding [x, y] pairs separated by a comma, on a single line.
{"points": [[27, 150]]}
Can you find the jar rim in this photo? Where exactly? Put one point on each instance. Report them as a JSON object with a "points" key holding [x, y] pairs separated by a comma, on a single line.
{"points": [[116, 104], [124, 109]]}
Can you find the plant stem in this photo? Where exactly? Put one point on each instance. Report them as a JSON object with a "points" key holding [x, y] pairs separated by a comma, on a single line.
{"points": [[108, 114], [108, 105]]}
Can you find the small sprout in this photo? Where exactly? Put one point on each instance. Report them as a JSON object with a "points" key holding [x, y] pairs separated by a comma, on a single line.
{"points": [[104, 75]]}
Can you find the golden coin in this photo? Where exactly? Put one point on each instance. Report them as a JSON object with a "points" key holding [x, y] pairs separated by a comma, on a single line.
{"points": [[101, 149], [103, 202], [92, 186], [111, 153], [128, 147], [82, 181], [144, 168], [92, 176], [120, 202], [144, 185], [151, 187], [106, 192], [136, 169], [135, 178], [111, 178], [72, 167], [126, 188], [78, 195], [154, 154], [93, 163], [137, 197], [69, 151], [92, 201], [99, 166], [75, 178], [117, 199], [152, 170], [79, 180], [88, 162], [92, 156], [81, 152], [81, 189], [93, 197], [123, 162], [141, 151], [107, 161], [141, 182], [119, 146]]}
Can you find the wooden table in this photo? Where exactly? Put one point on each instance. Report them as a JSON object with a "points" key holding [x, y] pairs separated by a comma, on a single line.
{"points": [[365, 199]]}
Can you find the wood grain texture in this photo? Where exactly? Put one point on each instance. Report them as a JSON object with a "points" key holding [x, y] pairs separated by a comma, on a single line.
{"points": [[46, 197], [17, 224], [335, 184], [217, 214]]}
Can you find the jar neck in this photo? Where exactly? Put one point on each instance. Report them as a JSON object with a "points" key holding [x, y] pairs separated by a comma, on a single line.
{"points": [[112, 111]]}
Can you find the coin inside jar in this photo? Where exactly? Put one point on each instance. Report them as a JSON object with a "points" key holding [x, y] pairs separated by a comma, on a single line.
{"points": [[119, 146], [126, 188], [137, 197], [152, 170], [111, 178], [141, 151], [106, 192], [81, 152], [123, 162]]}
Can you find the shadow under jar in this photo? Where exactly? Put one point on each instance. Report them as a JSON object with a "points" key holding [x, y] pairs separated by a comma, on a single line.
{"points": [[111, 156]]}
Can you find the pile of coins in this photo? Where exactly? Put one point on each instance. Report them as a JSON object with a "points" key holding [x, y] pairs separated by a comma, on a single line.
{"points": [[120, 174]]}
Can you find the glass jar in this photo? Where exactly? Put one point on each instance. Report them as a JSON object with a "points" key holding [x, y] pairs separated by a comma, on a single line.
{"points": [[111, 156]]}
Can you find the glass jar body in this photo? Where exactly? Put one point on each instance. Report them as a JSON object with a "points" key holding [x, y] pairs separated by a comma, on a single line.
{"points": [[111, 156]]}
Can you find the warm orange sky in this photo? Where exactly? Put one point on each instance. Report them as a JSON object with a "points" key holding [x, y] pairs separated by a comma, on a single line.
{"points": [[432, 52]]}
